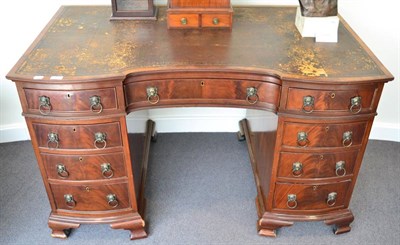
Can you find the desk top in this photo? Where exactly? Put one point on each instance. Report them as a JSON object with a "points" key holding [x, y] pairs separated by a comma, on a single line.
{"points": [[81, 43]]}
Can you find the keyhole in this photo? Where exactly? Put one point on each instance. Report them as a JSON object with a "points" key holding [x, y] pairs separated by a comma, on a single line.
{"points": [[202, 83], [333, 95], [68, 96], [315, 187], [87, 189], [74, 129], [80, 159]]}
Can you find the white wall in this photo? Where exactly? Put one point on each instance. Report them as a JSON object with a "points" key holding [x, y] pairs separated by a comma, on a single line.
{"points": [[375, 22]]}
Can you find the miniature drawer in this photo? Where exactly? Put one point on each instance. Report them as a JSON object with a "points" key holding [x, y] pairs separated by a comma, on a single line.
{"points": [[184, 20], [208, 91], [297, 197], [310, 101], [91, 197], [323, 135], [84, 167], [53, 102], [316, 165], [87, 136], [216, 20]]}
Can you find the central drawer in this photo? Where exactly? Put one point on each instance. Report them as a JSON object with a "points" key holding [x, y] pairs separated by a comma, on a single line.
{"points": [[202, 91]]}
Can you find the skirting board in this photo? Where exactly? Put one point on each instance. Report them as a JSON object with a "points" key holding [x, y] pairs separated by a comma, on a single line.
{"points": [[19, 132]]}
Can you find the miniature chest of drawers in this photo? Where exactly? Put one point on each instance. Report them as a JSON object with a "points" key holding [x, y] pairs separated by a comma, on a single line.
{"points": [[83, 74]]}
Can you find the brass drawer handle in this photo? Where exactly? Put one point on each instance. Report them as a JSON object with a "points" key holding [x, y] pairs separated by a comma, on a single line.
{"points": [[215, 21], [297, 169], [106, 170], [100, 141], [291, 201], [112, 200], [152, 95], [355, 105], [44, 105], [52, 140], [252, 96], [62, 171], [302, 139], [69, 200], [308, 104], [347, 139], [184, 21], [340, 169], [95, 104], [331, 200]]}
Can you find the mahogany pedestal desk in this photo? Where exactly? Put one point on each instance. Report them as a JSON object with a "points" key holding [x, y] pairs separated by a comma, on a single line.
{"points": [[84, 73]]}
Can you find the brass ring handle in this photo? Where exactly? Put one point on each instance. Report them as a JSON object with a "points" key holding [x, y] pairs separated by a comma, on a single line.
{"points": [[252, 96], [291, 201], [331, 200], [95, 104], [69, 200], [44, 105], [106, 170], [302, 139], [152, 95], [52, 140], [308, 104], [355, 105], [62, 171], [112, 200], [340, 169], [297, 169], [100, 138], [347, 139]]}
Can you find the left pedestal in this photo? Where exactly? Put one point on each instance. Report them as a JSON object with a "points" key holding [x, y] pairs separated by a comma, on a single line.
{"points": [[81, 143]]}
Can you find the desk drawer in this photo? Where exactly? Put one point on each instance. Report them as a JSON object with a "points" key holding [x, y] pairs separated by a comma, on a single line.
{"points": [[91, 197], [310, 101], [297, 197], [53, 102], [208, 91], [85, 136], [84, 167], [323, 135], [316, 165]]}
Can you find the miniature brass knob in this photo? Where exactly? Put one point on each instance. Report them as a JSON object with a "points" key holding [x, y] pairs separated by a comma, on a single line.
{"points": [[112, 200], [44, 105], [215, 21], [184, 21], [95, 104]]}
